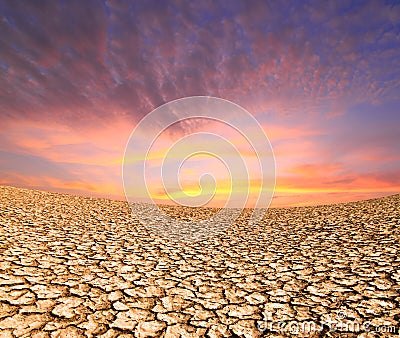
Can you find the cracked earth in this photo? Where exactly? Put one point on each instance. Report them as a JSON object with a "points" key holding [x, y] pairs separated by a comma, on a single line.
{"points": [[82, 267]]}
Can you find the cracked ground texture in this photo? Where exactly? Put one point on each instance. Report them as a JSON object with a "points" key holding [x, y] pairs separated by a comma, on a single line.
{"points": [[82, 267]]}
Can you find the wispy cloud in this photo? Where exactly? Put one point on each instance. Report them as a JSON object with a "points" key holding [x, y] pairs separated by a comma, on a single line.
{"points": [[323, 79]]}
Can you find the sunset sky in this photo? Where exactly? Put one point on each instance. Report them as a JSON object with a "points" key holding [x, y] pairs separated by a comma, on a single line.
{"points": [[322, 78]]}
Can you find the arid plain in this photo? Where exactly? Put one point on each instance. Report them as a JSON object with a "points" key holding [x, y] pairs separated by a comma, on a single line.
{"points": [[82, 267]]}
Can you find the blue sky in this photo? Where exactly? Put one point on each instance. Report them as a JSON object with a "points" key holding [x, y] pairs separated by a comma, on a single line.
{"points": [[322, 77]]}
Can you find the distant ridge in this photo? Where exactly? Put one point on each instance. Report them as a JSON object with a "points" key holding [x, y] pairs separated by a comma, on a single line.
{"points": [[168, 205]]}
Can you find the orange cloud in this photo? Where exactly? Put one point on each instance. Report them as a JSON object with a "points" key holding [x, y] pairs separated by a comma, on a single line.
{"points": [[102, 144]]}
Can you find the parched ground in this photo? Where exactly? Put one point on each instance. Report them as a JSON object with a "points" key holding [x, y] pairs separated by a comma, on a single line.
{"points": [[80, 267]]}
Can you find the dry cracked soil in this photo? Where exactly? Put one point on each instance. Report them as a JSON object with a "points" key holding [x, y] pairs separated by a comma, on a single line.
{"points": [[72, 266]]}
